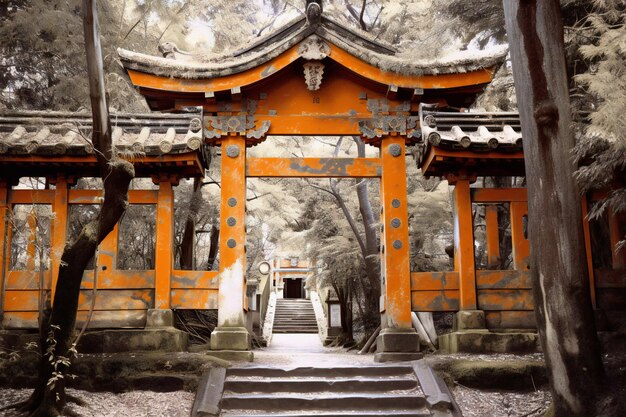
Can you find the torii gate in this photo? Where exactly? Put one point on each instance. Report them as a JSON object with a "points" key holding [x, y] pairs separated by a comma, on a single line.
{"points": [[312, 77]]}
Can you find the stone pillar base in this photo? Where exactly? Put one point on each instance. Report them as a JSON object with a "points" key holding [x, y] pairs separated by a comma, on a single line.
{"points": [[159, 318], [469, 320], [394, 345], [230, 338]]}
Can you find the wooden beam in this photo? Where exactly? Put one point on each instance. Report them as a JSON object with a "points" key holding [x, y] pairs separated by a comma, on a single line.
{"points": [[95, 196], [164, 256], [232, 289], [521, 247], [499, 195], [464, 244], [588, 250], [396, 273], [313, 167], [618, 257]]}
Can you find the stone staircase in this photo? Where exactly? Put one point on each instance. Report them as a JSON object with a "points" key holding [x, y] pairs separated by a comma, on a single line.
{"points": [[294, 315], [366, 390]]}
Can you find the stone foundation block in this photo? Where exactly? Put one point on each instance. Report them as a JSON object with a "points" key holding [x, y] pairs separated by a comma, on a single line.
{"points": [[230, 338], [159, 318], [469, 319], [397, 356], [165, 339], [477, 341], [397, 340]]}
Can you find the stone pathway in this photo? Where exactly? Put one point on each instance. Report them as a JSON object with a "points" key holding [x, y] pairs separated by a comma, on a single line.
{"points": [[297, 376]]}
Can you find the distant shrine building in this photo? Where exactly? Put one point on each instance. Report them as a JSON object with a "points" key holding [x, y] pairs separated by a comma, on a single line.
{"points": [[312, 77]]}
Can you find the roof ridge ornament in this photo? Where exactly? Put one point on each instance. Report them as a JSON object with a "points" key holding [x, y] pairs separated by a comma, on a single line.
{"points": [[314, 12], [313, 48]]}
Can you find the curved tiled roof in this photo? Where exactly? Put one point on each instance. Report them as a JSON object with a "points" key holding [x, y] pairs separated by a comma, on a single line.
{"points": [[475, 131], [61, 133], [358, 44]]}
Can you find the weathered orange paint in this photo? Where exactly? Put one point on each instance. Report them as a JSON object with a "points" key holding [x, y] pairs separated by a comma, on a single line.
{"points": [[95, 196], [201, 299], [31, 247], [588, 250], [58, 234], [499, 195], [464, 244], [107, 255], [493, 235], [502, 280], [26, 280], [313, 167], [442, 300], [31, 196], [433, 281], [396, 285], [120, 279], [232, 257], [505, 300], [127, 299], [521, 245], [102, 319], [201, 280], [163, 263]]}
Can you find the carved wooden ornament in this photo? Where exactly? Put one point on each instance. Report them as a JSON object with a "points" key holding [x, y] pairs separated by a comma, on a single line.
{"points": [[313, 72]]}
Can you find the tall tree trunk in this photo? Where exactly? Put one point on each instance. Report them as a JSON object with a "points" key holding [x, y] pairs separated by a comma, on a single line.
{"points": [[214, 242], [189, 234], [49, 399], [371, 255], [559, 272]]}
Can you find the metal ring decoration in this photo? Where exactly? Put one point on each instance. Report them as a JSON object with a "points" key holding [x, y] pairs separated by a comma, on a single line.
{"points": [[397, 244], [395, 203], [231, 243], [232, 202], [231, 221], [395, 150], [395, 223], [232, 151]]}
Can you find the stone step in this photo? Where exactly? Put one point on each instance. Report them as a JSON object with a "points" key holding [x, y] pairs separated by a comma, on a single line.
{"points": [[306, 385], [323, 372], [323, 401], [421, 412]]}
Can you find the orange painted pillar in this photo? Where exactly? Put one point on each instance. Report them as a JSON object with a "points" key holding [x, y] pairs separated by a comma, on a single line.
{"points": [[464, 244], [521, 246], [4, 249], [398, 340], [59, 230], [163, 263], [231, 332]]}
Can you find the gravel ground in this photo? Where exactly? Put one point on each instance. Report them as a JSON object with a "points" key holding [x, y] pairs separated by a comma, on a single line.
{"points": [[479, 403], [128, 404]]}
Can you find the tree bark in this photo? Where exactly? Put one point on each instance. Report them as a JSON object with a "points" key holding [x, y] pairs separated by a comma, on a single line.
{"points": [[56, 332], [189, 234], [559, 272]]}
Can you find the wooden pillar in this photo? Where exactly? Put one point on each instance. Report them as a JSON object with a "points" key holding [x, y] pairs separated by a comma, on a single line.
{"points": [[521, 247], [493, 235], [588, 251], [163, 263], [4, 249], [231, 332], [59, 229], [464, 244], [398, 340], [618, 257]]}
